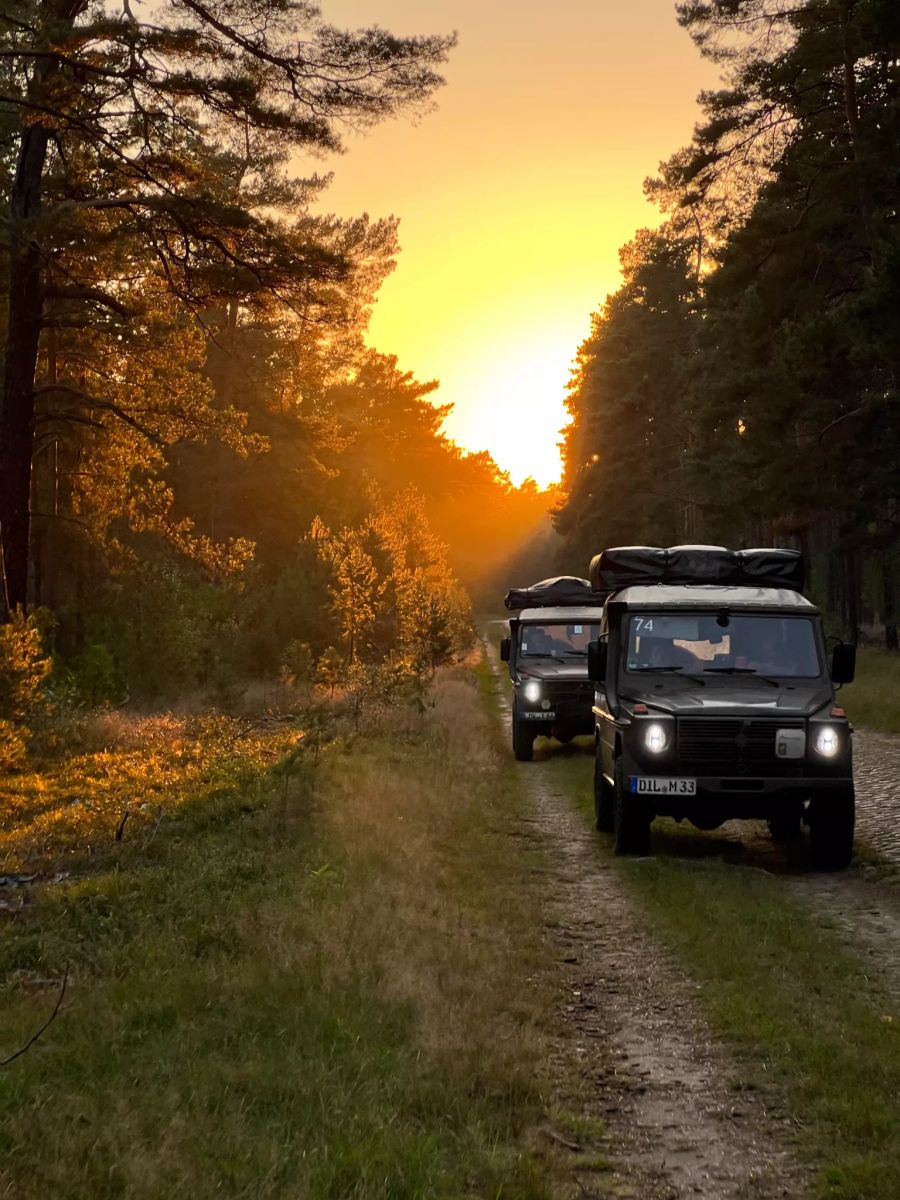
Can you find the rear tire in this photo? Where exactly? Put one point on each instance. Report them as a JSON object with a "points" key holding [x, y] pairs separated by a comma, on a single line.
{"points": [[832, 820], [631, 827], [522, 738], [604, 798]]}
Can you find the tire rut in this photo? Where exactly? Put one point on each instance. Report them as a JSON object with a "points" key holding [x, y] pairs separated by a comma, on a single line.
{"points": [[631, 1046]]}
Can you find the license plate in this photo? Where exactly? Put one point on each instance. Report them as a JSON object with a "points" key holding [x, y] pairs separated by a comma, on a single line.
{"points": [[539, 716], [652, 785]]}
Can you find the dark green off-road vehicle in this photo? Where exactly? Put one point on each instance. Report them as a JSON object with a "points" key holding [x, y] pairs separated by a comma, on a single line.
{"points": [[715, 699], [547, 652]]}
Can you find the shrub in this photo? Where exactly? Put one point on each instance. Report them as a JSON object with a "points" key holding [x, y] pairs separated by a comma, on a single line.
{"points": [[24, 669]]}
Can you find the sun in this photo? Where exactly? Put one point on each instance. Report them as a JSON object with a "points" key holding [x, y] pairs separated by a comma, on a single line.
{"points": [[513, 407]]}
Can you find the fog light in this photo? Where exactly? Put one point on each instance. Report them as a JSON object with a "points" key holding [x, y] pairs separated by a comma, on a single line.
{"points": [[656, 738], [532, 692], [828, 741]]}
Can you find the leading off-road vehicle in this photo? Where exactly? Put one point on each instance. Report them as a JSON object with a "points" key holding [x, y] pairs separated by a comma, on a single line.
{"points": [[714, 699], [547, 653]]}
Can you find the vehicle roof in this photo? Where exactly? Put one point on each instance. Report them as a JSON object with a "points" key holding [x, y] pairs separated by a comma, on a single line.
{"points": [[706, 595], [575, 614]]}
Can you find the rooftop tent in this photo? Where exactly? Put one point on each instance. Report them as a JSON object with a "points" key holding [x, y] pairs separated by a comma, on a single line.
{"points": [[624, 566], [701, 564], [629, 566], [772, 568], [561, 592]]}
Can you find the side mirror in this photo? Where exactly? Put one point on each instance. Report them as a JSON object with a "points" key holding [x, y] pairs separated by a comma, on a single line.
{"points": [[597, 658], [504, 649], [843, 663]]}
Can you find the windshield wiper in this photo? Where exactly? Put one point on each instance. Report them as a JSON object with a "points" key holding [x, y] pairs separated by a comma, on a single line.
{"points": [[656, 668], [740, 671]]}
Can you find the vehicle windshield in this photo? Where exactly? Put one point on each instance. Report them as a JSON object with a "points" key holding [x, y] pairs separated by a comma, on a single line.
{"points": [[727, 644], [556, 640]]}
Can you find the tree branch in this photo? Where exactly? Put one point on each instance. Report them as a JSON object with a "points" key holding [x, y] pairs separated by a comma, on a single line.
{"points": [[91, 295], [43, 1029]]}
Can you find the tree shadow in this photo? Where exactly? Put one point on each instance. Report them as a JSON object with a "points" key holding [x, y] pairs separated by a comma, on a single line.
{"points": [[738, 843]]}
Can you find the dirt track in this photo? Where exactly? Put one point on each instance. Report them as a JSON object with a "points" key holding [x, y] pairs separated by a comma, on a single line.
{"points": [[644, 1061]]}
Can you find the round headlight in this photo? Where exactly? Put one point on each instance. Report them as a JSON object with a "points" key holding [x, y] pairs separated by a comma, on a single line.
{"points": [[532, 692], [828, 741], [656, 738]]}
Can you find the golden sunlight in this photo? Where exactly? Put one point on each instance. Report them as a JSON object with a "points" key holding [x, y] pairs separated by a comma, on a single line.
{"points": [[520, 386], [514, 201]]}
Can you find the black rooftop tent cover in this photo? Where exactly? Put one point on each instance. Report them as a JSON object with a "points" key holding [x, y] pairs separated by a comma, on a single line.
{"points": [[626, 566], [561, 592]]}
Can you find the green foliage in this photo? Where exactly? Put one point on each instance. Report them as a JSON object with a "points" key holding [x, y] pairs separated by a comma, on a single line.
{"points": [[297, 663], [741, 386], [24, 669]]}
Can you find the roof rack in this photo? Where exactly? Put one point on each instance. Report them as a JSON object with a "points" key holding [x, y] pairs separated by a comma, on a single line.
{"points": [[626, 566]]}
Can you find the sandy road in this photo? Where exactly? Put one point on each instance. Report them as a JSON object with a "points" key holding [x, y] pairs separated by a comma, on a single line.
{"points": [[632, 1047]]}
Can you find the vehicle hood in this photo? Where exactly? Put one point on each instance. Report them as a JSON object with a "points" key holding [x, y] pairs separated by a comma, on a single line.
{"points": [[563, 670], [731, 697]]}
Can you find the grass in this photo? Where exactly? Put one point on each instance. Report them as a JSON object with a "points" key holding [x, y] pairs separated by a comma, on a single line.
{"points": [[873, 699], [306, 980], [798, 1009]]}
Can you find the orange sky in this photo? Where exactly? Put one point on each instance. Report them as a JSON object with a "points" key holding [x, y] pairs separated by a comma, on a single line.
{"points": [[515, 195]]}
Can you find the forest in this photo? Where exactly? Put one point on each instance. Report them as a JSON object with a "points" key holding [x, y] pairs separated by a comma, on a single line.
{"points": [[206, 472], [741, 386]]}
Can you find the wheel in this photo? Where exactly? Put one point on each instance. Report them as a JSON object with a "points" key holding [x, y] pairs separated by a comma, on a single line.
{"points": [[522, 738], [604, 798], [832, 819], [631, 824], [785, 827]]}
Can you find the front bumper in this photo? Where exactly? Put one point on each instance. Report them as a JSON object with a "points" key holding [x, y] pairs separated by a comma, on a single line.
{"points": [[724, 798], [570, 708]]}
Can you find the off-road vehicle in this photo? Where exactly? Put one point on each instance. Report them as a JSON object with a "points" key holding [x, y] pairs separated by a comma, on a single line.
{"points": [[547, 653], [714, 699]]}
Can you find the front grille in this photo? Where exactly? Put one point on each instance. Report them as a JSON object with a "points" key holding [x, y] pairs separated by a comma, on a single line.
{"points": [[733, 746], [571, 701]]}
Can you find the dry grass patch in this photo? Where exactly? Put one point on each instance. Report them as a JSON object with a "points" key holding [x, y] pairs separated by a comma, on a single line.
{"points": [[122, 772]]}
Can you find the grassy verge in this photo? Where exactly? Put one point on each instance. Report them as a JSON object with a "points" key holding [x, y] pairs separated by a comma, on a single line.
{"points": [[873, 699], [797, 1008], [306, 980]]}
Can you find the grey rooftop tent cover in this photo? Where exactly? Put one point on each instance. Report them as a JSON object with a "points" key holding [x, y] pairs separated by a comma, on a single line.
{"points": [[560, 592], [627, 566]]}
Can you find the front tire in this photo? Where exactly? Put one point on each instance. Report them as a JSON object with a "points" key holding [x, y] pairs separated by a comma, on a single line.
{"points": [[604, 798], [631, 826], [522, 738], [832, 820], [785, 826]]}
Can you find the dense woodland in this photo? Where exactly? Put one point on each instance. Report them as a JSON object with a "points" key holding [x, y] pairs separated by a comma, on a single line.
{"points": [[206, 474], [742, 384]]}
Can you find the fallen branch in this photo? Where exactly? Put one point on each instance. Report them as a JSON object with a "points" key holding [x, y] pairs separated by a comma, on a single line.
{"points": [[154, 831], [120, 832], [43, 1029]]}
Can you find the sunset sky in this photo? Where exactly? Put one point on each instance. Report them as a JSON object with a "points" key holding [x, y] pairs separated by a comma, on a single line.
{"points": [[515, 195]]}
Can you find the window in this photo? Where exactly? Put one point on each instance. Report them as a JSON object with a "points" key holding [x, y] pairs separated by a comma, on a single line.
{"points": [[556, 640], [728, 643]]}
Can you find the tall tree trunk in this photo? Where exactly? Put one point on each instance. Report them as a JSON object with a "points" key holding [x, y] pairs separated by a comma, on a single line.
{"points": [[25, 309], [26, 304], [889, 600], [852, 591]]}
